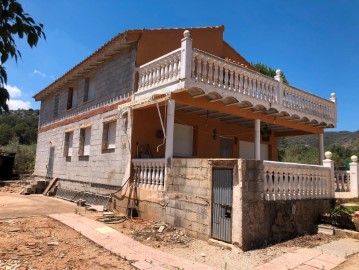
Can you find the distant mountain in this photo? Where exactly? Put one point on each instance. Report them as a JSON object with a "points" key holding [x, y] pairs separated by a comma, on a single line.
{"points": [[344, 138]]}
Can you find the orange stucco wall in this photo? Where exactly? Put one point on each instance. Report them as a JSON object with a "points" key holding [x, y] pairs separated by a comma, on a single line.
{"points": [[146, 124], [152, 44]]}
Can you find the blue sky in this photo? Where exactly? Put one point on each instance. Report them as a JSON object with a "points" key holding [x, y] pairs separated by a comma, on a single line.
{"points": [[315, 43]]}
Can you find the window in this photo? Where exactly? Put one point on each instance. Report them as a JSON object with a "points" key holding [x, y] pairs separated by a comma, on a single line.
{"points": [[183, 140], [56, 105], [89, 90], [85, 138], [109, 137], [68, 148], [71, 98], [246, 150]]}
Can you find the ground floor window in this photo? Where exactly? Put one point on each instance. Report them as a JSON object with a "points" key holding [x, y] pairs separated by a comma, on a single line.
{"points": [[85, 138], [109, 137], [68, 148]]}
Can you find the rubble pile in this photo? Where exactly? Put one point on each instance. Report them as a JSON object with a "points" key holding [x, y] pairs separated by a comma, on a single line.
{"points": [[12, 187], [161, 233]]}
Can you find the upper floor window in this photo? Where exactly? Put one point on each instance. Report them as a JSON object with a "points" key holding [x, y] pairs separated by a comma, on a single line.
{"points": [[109, 137], [71, 98], [89, 90], [56, 105], [85, 138]]}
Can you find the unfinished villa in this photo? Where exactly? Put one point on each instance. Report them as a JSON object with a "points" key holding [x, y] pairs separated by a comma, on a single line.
{"points": [[175, 125]]}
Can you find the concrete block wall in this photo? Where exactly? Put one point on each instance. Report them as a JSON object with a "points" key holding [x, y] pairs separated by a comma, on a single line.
{"points": [[186, 201], [189, 192], [114, 78], [101, 168]]}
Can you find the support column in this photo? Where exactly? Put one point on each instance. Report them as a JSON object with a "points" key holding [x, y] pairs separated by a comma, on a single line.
{"points": [[321, 148], [354, 177], [170, 129], [329, 191], [257, 139], [186, 56], [279, 77]]}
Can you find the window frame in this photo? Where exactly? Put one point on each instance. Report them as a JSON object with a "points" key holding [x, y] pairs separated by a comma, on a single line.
{"points": [[105, 136], [82, 141]]}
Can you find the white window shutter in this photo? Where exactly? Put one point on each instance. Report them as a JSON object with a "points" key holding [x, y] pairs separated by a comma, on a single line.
{"points": [[111, 139], [87, 142], [183, 140], [70, 143]]}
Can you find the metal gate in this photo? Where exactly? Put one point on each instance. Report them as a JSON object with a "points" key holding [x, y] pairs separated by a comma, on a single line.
{"points": [[222, 189]]}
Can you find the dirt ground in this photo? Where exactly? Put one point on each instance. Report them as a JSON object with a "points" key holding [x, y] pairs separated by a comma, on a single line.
{"points": [[42, 243]]}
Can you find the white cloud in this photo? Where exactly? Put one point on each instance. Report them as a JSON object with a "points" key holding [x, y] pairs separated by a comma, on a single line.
{"points": [[15, 104], [14, 91], [37, 72]]}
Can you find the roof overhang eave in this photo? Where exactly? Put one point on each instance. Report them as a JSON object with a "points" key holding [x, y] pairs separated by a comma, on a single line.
{"points": [[90, 63]]}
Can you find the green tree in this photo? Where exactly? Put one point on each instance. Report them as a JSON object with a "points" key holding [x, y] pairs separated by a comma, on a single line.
{"points": [[298, 153], [268, 71], [14, 23], [5, 134]]}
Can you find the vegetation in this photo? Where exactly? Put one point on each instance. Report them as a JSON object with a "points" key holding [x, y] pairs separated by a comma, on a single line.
{"points": [[18, 134], [268, 71], [305, 149], [15, 24]]}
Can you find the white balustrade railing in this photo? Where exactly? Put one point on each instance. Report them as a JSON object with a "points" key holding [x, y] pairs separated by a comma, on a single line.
{"points": [[160, 71], [302, 101], [230, 76], [342, 181], [149, 173], [227, 75], [290, 181]]}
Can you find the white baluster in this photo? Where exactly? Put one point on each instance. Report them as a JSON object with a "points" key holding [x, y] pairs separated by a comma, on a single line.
{"points": [[153, 175], [220, 79], [231, 80], [199, 69], [210, 72], [226, 70], [236, 82], [215, 75], [241, 83], [204, 70]]}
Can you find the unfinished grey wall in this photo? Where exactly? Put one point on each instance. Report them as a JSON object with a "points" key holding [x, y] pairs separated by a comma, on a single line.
{"points": [[114, 78], [101, 168]]}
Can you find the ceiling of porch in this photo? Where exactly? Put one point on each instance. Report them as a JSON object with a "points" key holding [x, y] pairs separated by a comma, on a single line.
{"points": [[232, 119]]}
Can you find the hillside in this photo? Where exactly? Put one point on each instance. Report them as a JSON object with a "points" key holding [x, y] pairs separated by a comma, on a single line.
{"points": [[21, 124], [344, 138]]}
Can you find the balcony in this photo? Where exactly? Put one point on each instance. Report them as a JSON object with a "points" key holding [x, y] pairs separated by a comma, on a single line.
{"points": [[221, 80]]}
